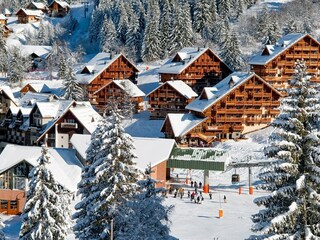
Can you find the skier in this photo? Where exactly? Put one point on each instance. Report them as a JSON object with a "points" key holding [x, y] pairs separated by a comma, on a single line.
{"points": [[225, 198], [210, 195]]}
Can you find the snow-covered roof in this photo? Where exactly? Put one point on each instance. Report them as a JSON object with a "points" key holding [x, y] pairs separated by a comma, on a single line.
{"points": [[30, 12], [2, 17], [39, 5], [64, 165], [39, 87], [7, 11], [147, 150], [61, 3], [31, 98], [182, 123], [213, 94], [7, 91], [14, 110], [53, 109], [84, 113], [187, 55], [96, 66], [127, 86], [274, 50], [40, 51], [181, 87], [25, 111], [221, 89]]}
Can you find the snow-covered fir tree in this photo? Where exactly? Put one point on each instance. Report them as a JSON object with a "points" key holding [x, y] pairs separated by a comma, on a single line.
{"points": [[231, 53], [3, 52], [151, 42], [123, 24], [17, 66], [224, 9], [291, 27], [73, 90], [144, 217], [292, 210], [43, 216], [165, 27], [63, 68], [108, 36], [201, 15], [108, 180]]}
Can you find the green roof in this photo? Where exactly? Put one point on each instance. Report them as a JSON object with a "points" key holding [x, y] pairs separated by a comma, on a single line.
{"points": [[197, 158]]}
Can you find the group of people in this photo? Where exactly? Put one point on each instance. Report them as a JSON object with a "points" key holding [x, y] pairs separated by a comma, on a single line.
{"points": [[196, 197]]}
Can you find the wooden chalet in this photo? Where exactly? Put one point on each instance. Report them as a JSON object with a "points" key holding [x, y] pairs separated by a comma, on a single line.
{"points": [[37, 6], [59, 8], [14, 174], [240, 103], [6, 31], [277, 62], [121, 91], [197, 67], [78, 118], [7, 100], [35, 88], [29, 16], [105, 67], [170, 97], [3, 20]]}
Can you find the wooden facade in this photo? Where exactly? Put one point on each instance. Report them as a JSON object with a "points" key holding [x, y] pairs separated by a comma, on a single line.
{"points": [[167, 99], [249, 106], [279, 69], [59, 9], [27, 16], [205, 69], [113, 92]]}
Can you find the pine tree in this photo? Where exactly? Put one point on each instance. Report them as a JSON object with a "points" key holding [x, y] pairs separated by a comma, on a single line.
{"points": [[224, 9], [292, 209], [108, 181], [62, 73], [108, 36], [123, 23], [164, 28], [201, 15], [144, 217], [231, 53], [133, 39], [3, 52], [73, 90], [17, 66], [151, 43], [42, 216]]}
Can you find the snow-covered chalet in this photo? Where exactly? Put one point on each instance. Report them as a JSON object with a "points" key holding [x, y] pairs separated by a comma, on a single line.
{"points": [[102, 68], [197, 67], [240, 103], [276, 63], [170, 97]]}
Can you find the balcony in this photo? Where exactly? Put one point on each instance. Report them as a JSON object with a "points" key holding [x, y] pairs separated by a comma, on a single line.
{"points": [[274, 111], [253, 111], [69, 125]]}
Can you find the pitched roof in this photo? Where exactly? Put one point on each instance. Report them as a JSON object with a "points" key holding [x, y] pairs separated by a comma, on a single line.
{"points": [[38, 87], [61, 3], [31, 98], [187, 55], [7, 11], [39, 5], [221, 89], [147, 150], [181, 87], [41, 51], [2, 17], [127, 86], [29, 12], [8, 92], [182, 123], [53, 109], [64, 165], [82, 111], [97, 65], [275, 50]]}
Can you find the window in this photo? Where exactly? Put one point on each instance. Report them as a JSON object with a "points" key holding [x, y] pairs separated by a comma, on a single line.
{"points": [[4, 204], [13, 205], [20, 183]]}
